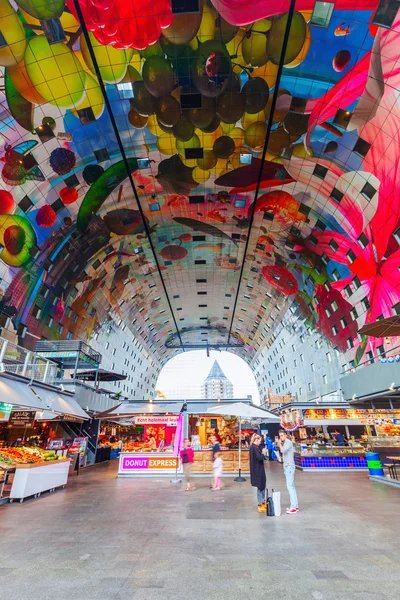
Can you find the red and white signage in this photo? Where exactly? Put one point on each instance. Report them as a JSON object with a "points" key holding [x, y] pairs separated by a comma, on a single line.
{"points": [[167, 420]]}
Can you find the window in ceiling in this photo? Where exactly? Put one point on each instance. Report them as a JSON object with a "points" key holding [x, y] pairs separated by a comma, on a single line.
{"points": [[337, 195], [285, 152], [357, 282], [185, 6], [3, 41], [199, 238], [386, 13], [236, 236], [320, 171], [202, 305], [365, 303], [298, 104], [201, 280], [178, 309], [202, 293], [151, 285], [240, 203], [71, 182], [154, 206], [203, 318], [57, 205], [396, 309], [102, 155], [243, 309], [313, 240], [368, 191], [125, 90], [228, 295], [245, 158], [189, 101], [45, 133], [233, 261], [268, 216], [86, 115], [200, 262], [354, 314], [254, 269], [361, 147], [25, 204], [53, 30], [167, 263], [260, 246], [333, 245], [182, 319], [342, 118], [363, 240], [226, 307], [192, 153], [322, 14], [247, 296], [351, 256], [320, 225], [304, 210]]}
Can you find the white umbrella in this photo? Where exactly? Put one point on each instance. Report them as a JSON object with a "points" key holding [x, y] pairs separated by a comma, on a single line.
{"points": [[240, 409]]}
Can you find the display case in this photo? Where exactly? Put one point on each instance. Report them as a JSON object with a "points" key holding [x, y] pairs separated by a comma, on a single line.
{"points": [[329, 458], [385, 446], [203, 461]]}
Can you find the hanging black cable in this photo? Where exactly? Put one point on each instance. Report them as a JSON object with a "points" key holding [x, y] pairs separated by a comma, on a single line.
{"points": [[122, 152], [269, 128]]}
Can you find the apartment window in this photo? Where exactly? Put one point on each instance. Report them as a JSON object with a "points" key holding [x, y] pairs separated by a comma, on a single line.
{"points": [[348, 291], [324, 379], [350, 343], [301, 358], [328, 312], [295, 362], [334, 306], [300, 391], [333, 245], [334, 330], [309, 387], [313, 367], [343, 322], [354, 314]]}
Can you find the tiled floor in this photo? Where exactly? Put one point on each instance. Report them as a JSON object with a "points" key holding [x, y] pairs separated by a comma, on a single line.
{"points": [[121, 539]]}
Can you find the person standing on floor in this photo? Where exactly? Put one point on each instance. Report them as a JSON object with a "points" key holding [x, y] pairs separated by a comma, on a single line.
{"points": [[218, 465], [258, 477], [270, 446], [287, 450], [215, 448], [187, 458]]}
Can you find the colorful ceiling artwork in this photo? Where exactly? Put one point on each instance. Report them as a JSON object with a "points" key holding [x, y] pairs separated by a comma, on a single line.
{"points": [[194, 168]]}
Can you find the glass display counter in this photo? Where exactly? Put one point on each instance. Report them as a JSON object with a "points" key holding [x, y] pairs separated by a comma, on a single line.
{"points": [[329, 458], [385, 446]]}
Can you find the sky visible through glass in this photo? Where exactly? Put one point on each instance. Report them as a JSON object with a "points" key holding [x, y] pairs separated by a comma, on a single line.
{"points": [[182, 376]]}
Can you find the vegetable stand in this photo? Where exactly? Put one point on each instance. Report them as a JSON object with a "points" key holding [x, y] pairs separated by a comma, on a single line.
{"points": [[33, 479]]}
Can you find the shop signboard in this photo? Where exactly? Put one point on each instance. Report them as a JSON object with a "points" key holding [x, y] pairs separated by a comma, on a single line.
{"points": [[136, 464], [5, 411], [22, 418], [167, 420], [349, 413]]}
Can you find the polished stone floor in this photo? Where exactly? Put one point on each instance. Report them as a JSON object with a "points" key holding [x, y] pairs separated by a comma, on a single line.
{"points": [[120, 539]]}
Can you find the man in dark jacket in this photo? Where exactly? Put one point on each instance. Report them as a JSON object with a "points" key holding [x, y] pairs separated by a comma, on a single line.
{"points": [[257, 472]]}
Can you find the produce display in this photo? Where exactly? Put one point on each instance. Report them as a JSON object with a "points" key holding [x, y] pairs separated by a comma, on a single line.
{"points": [[23, 456]]}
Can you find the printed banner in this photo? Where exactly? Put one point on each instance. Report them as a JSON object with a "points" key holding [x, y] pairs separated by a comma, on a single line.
{"points": [[168, 420]]}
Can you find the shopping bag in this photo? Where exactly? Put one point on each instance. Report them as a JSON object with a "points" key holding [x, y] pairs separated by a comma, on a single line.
{"points": [[270, 506], [276, 499]]}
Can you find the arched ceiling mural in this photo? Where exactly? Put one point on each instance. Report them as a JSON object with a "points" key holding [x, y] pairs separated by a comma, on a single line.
{"points": [[191, 169]]}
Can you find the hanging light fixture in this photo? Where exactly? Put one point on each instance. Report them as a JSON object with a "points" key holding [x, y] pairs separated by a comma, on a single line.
{"points": [[387, 340]]}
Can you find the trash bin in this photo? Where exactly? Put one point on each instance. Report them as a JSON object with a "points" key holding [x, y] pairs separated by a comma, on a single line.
{"points": [[374, 464]]}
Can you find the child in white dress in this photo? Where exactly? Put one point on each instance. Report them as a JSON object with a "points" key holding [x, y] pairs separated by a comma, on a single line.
{"points": [[217, 466]]}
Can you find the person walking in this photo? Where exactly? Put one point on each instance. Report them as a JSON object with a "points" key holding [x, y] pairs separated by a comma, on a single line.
{"points": [[218, 465], [215, 448], [287, 451], [187, 458], [258, 477]]}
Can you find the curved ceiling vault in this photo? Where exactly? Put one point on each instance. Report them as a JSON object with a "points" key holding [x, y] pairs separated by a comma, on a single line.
{"points": [[193, 174]]}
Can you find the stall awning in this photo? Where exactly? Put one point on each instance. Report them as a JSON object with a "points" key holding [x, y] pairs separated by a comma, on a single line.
{"points": [[127, 410], [60, 403], [19, 394]]}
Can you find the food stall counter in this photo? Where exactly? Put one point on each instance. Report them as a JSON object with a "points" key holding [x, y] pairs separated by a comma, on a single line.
{"points": [[35, 478], [203, 461], [335, 458], [148, 464]]}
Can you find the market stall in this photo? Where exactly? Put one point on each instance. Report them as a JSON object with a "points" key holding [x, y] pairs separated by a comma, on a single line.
{"points": [[26, 472], [313, 457]]}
